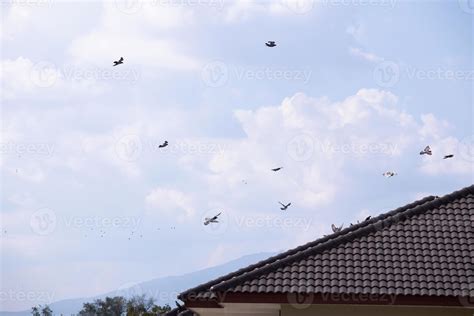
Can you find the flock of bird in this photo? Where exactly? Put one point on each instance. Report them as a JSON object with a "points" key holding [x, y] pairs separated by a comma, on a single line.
{"points": [[426, 151], [388, 174]]}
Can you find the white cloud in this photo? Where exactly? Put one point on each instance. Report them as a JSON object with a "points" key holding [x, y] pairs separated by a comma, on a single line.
{"points": [[365, 55], [169, 202], [138, 37], [22, 77], [16, 20]]}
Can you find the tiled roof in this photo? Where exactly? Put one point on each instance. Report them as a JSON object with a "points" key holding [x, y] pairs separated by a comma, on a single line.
{"points": [[425, 248]]}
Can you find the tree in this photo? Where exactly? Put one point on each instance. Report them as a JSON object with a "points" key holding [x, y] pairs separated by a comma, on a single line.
{"points": [[45, 311], [117, 306], [88, 309], [35, 311]]}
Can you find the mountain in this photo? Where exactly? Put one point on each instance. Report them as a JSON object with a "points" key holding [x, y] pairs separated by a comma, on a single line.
{"points": [[163, 290]]}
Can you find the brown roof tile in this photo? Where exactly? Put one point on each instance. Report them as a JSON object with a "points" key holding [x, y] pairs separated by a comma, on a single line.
{"points": [[423, 248]]}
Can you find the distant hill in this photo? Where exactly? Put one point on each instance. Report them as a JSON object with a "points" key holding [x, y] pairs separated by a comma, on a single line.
{"points": [[163, 290]]}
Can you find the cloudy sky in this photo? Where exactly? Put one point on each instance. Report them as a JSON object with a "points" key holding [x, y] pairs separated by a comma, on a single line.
{"points": [[89, 203]]}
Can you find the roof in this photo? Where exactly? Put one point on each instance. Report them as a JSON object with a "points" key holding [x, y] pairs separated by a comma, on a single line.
{"points": [[425, 248], [179, 312]]}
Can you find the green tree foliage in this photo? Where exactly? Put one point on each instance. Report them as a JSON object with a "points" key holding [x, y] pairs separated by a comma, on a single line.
{"points": [[117, 306], [38, 311]]}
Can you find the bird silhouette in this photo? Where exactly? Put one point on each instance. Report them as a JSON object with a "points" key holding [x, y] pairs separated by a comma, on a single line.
{"points": [[389, 174], [118, 62], [448, 156], [277, 169], [426, 151], [283, 206], [209, 220], [270, 44], [163, 145], [336, 229]]}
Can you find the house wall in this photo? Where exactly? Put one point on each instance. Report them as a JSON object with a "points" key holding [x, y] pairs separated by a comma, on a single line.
{"points": [[332, 310], [367, 310]]}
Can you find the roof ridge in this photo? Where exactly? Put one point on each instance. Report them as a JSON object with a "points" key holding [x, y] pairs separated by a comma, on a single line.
{"points": [[346, 234]]}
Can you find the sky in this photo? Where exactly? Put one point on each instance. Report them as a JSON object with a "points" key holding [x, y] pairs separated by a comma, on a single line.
{"points": [[354, 88]]}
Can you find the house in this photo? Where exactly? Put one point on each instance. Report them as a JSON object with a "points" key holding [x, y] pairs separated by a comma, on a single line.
{"points": [[415, 260]]}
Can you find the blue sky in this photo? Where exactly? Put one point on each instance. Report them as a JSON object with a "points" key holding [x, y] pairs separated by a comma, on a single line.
{"points": [[353, 89]]}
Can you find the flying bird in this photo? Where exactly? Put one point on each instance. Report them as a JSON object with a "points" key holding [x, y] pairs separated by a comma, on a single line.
{"points": [[277, 169], [283, 206], [336, 229], [118, 62], [209, 220], [389, 174], [448, 156], [368, 217], [270, 44], [426, 151], [163, 145]]}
